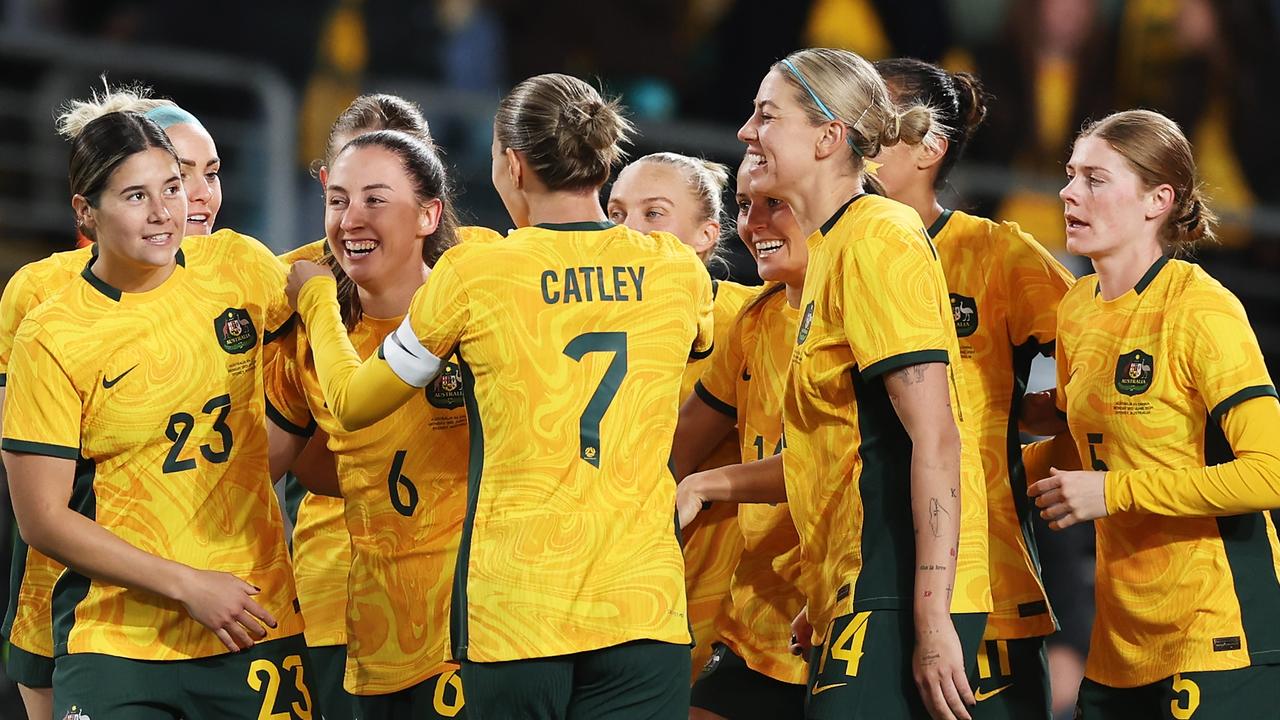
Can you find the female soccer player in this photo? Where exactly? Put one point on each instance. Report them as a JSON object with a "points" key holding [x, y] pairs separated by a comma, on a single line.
{"points": [[1004, 290], [571, 334], [753, 673], [872, 411], [388, 216], [137, 453], [321, 540], [28, 624], [683, 195], [1174, 416]]}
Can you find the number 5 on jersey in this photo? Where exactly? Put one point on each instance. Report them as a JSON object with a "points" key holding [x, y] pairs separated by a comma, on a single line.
{"points": [[589, 421]]}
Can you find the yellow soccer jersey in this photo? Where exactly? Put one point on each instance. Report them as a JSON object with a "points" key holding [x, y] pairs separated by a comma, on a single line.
{"points": [[28, 620], [571, 340], [745, 381], [1005, 290], [158, 396], [321, 544], [875, 300], [404, 485], [1146, 378], [713, 541]]}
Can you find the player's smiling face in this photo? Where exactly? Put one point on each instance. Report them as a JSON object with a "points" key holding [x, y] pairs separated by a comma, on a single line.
{"points": [[374, 221], [1106, 205], [198, 159], [780, 140], [769, 230], [138, 220], [650, 196]]}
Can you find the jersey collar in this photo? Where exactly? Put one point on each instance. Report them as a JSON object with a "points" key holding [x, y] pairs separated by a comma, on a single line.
{"points": [[835, 218], [940, 223], [585, 226], [1145, 281], [103, 287]]}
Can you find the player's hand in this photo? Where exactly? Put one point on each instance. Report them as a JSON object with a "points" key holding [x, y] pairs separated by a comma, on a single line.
{"points": [[690, 499], [1038, 414], [801, 633], [938, 667], [299, 274], [224, 603], [1068, 497]]}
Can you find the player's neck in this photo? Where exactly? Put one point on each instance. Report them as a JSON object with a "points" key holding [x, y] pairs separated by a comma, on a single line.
{"points": [[815, 204], [130, 277], [794, 292], [390, 297], [1119, 271], [565, 207], [924, 201]]}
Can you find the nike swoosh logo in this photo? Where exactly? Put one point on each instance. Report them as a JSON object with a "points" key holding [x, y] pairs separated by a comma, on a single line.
{"points": [[108, 384], [817, 689], [980, 696]]}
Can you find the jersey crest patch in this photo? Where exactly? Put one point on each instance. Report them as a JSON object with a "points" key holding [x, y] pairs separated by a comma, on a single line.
{"points": [[1133, 372], [803, 333], [964, 310], [75, 713], [235, 330], [445, 392]]}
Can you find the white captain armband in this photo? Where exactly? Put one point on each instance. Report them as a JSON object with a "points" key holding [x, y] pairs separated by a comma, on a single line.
{"points": [[408, 359]]}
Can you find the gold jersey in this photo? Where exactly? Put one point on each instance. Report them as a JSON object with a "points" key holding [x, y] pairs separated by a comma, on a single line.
{"points": [[1004, 289], [1145, 380], [158, 397], [745, 381], [875, 300]]}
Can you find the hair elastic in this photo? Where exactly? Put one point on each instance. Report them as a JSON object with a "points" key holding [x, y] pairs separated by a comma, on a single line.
{"points": [[822, 106]]}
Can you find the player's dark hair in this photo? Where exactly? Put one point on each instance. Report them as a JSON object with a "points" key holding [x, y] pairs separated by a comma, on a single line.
{"points": [[430, 181], [571, 136], [105, 144], [957, 99], [377, 111]]}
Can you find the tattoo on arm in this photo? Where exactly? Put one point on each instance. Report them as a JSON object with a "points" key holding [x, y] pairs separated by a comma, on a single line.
{"points": [[935, 511]]}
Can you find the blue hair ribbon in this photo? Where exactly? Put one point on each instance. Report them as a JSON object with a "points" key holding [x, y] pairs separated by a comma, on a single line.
{"points": [[166, 116], [821, 105]]}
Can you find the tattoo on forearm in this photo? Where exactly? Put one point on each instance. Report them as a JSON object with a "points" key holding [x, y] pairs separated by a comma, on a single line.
{"points": [[935, 521], [912, 375], [933, 567]]}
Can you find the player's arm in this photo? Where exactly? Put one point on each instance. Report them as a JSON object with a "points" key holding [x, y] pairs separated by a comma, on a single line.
{"points": [[359, 394], [703, 425], [761, 481], [1042, 456], [316, 467]]}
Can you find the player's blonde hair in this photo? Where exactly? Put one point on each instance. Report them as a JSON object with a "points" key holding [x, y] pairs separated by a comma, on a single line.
{"points": [[706, 180], [74, 115], [842, 86], [1160, 154], [571, 136]]}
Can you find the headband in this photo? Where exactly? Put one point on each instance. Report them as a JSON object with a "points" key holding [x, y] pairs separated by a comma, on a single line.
{"points": [[166, 116], [786, 62]]}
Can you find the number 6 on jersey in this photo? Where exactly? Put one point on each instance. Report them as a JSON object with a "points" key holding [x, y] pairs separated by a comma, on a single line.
{"points": [[589, 422]]}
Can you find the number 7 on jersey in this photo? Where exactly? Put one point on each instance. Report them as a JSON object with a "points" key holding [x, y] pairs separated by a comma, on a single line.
{"points": [[589, 422]]}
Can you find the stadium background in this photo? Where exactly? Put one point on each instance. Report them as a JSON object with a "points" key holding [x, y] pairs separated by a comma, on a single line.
{"points": [[267, 78]]}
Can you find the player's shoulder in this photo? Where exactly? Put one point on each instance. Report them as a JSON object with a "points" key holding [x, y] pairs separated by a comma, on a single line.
{"points": [[1191, 289], [50, 273], [874, 224], [730, 297], [226, 246], [468, 234], [311, 252]]}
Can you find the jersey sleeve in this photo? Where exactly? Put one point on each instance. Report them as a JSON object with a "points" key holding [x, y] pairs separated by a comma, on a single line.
{"points": [[42, 407], [889, 298], [704, 303], [358, 394], [1248, 483], [270, 273], [1035, 283], [16, 302], [718, 386], [1225, 361], [286, 398], [438, 314]]}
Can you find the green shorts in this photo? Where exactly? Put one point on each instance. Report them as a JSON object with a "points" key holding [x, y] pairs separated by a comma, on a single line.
{"points": [[731, 689], [863, 669], [271, 679], [329, 663], [1252, 692], [638, 679], [1011, 681], [439, 697], [28, 669]]}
